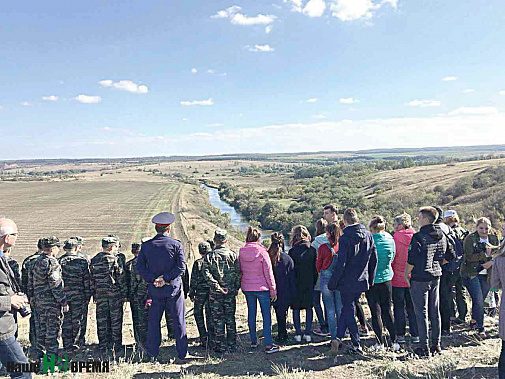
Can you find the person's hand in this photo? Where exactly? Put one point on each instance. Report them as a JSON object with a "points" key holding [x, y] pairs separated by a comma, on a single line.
{"points": [[17, 301], [224, 291], [273, 298], [159, 281], [489, 251], [408, 281], [66, 308], [487, 265]]}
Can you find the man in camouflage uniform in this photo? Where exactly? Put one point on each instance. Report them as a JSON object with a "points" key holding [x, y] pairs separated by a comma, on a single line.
{"points": [[137, 296], [221, 270], [122, 262], [77, 281], [199, 294], [45, 288], [109, 292], [26, 267], [81, 338]]}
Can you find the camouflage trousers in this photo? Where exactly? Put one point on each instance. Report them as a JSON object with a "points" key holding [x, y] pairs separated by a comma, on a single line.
{"points": [[72, 324], [34, 330], [139, 316], [81, 338], [201, 303], [109, 334], [50, 316], [222, 308]]}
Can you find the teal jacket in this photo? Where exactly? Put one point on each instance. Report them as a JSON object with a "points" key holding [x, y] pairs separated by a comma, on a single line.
{"points": [[386, 250]]}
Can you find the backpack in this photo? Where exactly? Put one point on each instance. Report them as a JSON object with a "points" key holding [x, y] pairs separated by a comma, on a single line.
{"points": [[457, 246]]}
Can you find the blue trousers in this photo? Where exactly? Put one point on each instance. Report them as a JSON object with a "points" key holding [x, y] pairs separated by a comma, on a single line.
{"points": [[176, 309], [11, 351], [252, 298], [477, 287], [347, 319], [298, 323], [332, 303]]}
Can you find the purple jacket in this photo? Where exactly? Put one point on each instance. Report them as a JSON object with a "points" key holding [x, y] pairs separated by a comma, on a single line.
{"points": [[256, 269]]}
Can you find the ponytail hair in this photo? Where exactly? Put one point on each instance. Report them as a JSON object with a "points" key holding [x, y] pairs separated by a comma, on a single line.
{"points": [[276, 247], [253, 234]]}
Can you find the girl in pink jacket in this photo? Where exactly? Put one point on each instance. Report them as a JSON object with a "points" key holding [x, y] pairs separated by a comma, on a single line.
{"points": [[258, 284]]}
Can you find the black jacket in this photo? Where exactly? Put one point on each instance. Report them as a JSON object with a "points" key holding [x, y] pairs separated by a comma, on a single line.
{"points": [[427, 250], [304, 257], [284, 273], [8, 287], [356, 261]]}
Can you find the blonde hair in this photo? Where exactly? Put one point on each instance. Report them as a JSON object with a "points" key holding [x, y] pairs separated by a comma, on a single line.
{"points": [[483, 220], [404, 219], [299, 233], [377, 224]]}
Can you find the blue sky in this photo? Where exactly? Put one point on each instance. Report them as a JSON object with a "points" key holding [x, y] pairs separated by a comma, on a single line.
{"points": [[143, 78]]}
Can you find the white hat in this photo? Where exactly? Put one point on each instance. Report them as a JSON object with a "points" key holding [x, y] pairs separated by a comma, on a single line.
{"points": [[450, 213]]}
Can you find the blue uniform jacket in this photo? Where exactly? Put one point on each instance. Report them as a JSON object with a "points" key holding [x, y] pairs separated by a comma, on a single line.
{"points": [[162, 255], [356, 262]]}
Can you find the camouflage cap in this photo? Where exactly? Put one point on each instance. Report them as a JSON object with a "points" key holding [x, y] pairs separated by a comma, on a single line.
{"points": [[136, 246], [220, 235], [71, 244], [50, 242], [116, 237], [78, 239], [204, 247], [109, 241]]}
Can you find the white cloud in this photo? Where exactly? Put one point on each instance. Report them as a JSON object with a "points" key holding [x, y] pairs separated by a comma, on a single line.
{"points": [[88, 99], [125, 85], [424, 103], [296, 5], [348, 100], [194, 70], [468, 90], [450, 78], [261, 48], [211, 72], [237, 18], [185, 119], [268, 29], [312, 100], [207, 102], [479, 111], [228, 12], [50, 98], [216, 124], [349, 10], [320, 116], [314, 8], [26, 103], [501, 93]]}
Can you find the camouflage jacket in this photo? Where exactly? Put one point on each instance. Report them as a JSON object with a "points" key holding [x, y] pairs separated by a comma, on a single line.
{"points": [[137, 286], [122, 259], [221, 270], [198, 283], [25, 270], [107, 276], [14, 265], [45, 283], [76, 276]]}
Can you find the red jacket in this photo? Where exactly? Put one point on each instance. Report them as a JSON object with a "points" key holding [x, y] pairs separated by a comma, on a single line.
{"points": [[402, 241], [325, 256]]}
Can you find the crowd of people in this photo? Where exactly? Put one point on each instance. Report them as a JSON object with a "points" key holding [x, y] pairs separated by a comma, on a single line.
{"points": [[412, 281]]}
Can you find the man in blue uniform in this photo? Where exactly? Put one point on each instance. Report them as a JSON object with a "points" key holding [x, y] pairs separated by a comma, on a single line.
{"points": [[161, 262]]}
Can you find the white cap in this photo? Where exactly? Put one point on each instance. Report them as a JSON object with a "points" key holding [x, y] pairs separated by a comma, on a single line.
{"points": [[450, 213]]}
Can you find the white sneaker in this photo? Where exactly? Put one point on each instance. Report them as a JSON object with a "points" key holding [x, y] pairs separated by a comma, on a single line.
{"points": [[298, 338], [307, 338], [396, 347], [378, 348]]}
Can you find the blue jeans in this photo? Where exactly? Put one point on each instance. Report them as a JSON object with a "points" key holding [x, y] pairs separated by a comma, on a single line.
{"points": [[264, 298], [298, 323], [332, 303], [11, 351], [323, 322], [478, 287], [347, 320]]}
